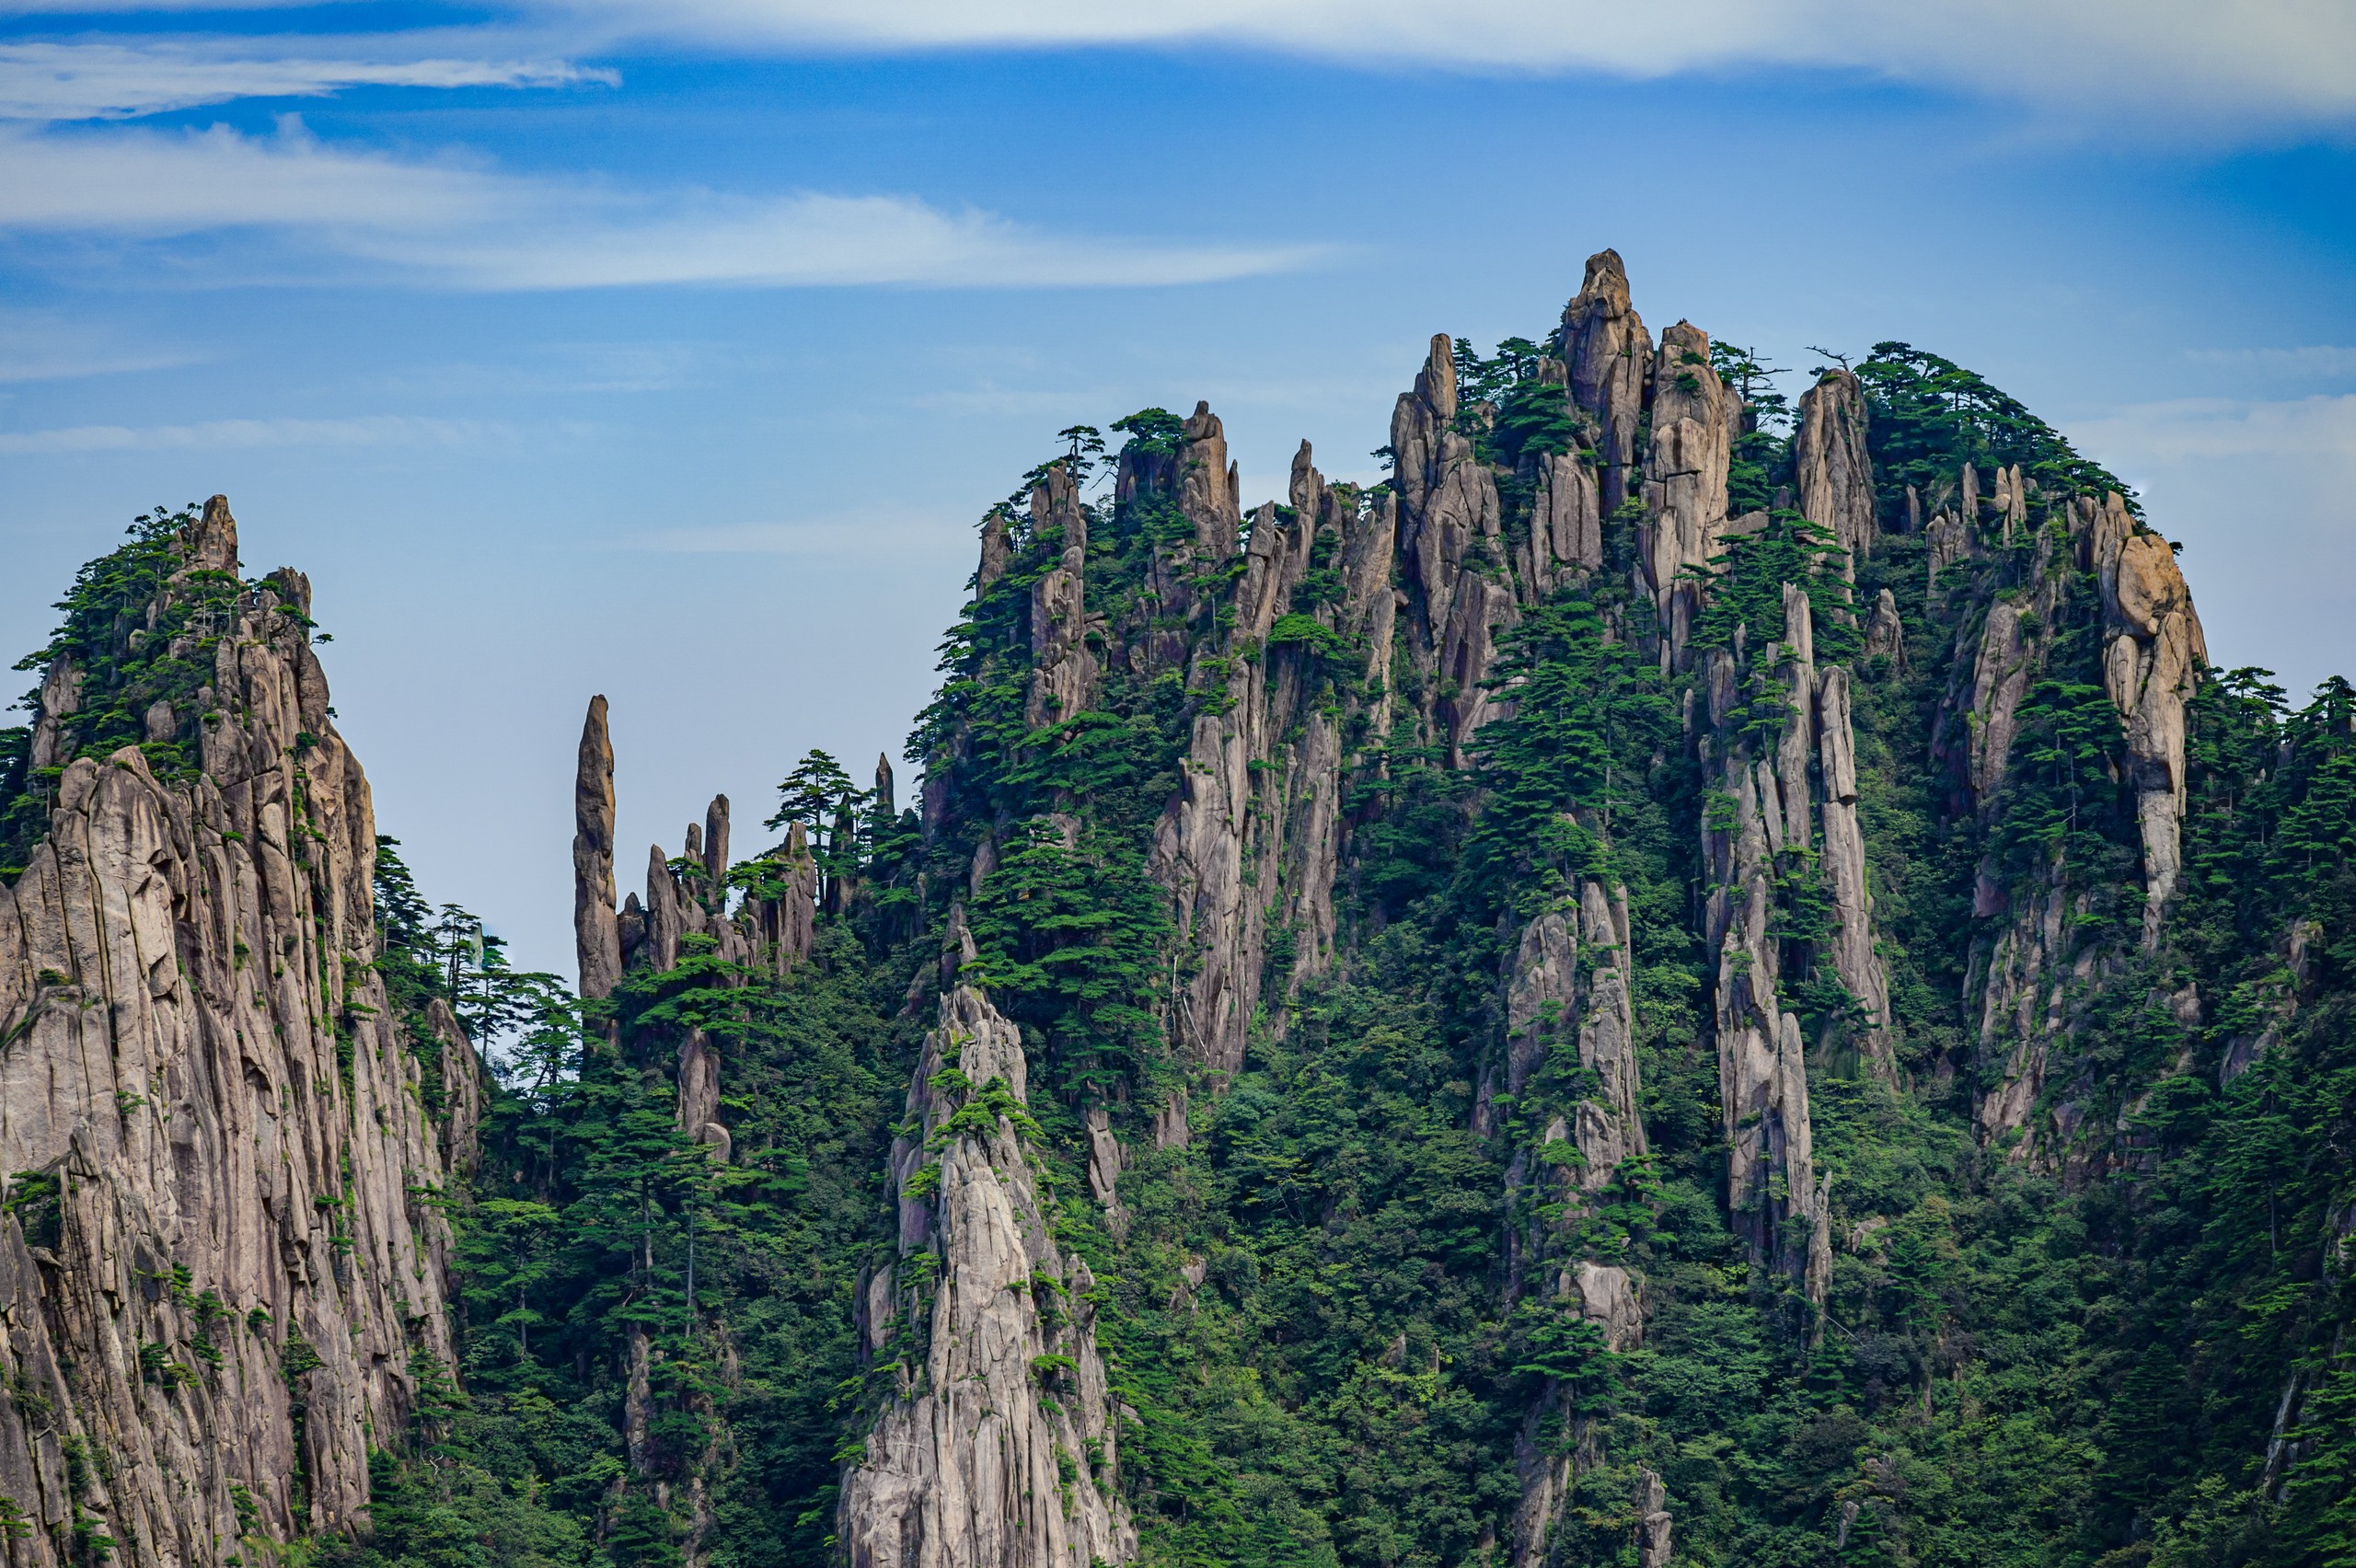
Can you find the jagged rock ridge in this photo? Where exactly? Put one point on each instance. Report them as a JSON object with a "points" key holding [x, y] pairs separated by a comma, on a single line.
{"points": [[221, 1262]]}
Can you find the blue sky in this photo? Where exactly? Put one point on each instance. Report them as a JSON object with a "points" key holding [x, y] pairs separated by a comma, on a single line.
{"points": [[672, 352]]}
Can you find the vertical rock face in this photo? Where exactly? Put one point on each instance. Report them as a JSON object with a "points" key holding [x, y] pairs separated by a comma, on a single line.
{"points": [[1608, 352], [1685, 480], [220, 1260], [1342, 623], [1063, 668], [1453, 552], [2153, 649], [2035, 970], [997, 1448], [1568, 998], [1836, 480], [1251, 841], [1565, 525], [1760, 814], [596, 932]]}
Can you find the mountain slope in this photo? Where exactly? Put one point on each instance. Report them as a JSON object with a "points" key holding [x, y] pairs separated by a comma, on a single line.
{"points": [[1689, 978]]}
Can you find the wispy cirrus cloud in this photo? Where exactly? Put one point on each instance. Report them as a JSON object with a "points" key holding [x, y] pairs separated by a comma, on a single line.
{"points": [[372, 430], [2270, 61], [124, 80], [342, 213], [2311, 361], [2319, 431], [2172, 66], [42, 345]]}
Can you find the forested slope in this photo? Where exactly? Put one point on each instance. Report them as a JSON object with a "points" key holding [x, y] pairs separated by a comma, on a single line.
{"points": [[1689, 978]]}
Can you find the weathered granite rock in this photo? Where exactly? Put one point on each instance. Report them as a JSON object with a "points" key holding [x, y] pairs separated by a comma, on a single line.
{"points": [[1836, 478], [1653, 1522], [217, 1124], [1565, 541], [597, 931], [1884, 634], [2152, 651], [1762, 811], [1603, 342], [1063, 667], [1685, 482], [1252, 842], [998, 1447]]}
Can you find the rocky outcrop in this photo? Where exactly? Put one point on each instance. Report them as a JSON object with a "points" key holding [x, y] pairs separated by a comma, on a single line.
{"points": [[1452, 555], [771, 927], [597, 930], [1603, 342], [2034, 971], [1836, 475], [1685, 482], [2152, 653], [1565, 542], [1569, 1003], [1759, 825], [997, 1445], [1251, 843], [222, 1261], [1063, 667]]}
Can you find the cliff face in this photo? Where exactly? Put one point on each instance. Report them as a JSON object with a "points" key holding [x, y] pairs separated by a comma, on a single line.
{"points": [[998, 1443], [221, 1263], [1655, 873], [1338, 647]]}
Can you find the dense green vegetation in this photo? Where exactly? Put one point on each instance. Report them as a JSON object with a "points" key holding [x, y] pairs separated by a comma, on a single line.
{"points": [[1312, 1314]]}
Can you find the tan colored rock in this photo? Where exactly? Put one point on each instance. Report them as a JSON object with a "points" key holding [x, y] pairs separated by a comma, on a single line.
{"points": [[1685, 480], [1608, 1299], [1654, 1525], [1884, 634], [200, 1050], [997, 1401], [1836, 475], [597, 934], [1608, 353]]}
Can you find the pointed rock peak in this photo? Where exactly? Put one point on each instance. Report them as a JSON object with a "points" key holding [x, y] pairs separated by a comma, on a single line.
{"points": [[885, 804], [695, 841], [1203, 424], [1436, 382], [210, 542], [596, 937], [715, 839], [291, 586], [1604, 289], [1307, 484], [1683, 339], [1055, 506], [994, 554]]}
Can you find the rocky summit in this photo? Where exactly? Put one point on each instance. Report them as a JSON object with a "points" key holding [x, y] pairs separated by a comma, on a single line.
{"points": [[1691, 977]]}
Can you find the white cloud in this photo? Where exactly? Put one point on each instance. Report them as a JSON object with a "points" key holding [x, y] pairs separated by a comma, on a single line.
{"points": [[2307, 431], [39, 345], [90, 81], [2313, 360], [458, 226], [2179, 65], [2268, 60], [374, 430]]}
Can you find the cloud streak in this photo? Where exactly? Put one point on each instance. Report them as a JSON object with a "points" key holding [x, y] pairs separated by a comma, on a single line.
{"points": [[2319, 429], [2264, 60], [453, 224], [374, 430], [112, 81]]}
